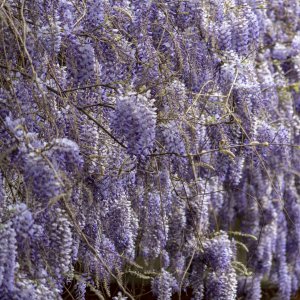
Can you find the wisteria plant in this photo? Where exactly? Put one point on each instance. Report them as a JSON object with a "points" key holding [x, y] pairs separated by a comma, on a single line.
{"points": [[149, 144]]}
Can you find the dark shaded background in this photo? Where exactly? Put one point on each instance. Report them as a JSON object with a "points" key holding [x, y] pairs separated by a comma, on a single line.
{"points": [[144, 293]]}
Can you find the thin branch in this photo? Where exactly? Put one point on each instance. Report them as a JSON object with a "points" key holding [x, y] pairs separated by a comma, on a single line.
{"points": [[99, 104], [101, 126], [74, 89]]}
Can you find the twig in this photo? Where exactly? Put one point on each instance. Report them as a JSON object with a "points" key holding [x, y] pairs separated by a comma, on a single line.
{"points": [[99, 125]]}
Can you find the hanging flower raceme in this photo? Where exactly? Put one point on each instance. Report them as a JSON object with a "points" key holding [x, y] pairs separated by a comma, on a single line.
{"points": [[134, 123]]}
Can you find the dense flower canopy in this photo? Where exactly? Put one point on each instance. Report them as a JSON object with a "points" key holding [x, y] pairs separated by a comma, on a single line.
{"points": [[149, 142]]}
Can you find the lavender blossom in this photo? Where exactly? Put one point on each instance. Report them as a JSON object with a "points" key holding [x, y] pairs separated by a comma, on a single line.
{"points": [[221, 285], [134, 122], [218, 253], [81, 62], [155, 138], [171, 138], [41, 178], [163, 285]]}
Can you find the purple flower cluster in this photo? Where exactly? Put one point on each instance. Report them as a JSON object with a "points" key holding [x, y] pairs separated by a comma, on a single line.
{"points": [[150, 143], [134, 122]]}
